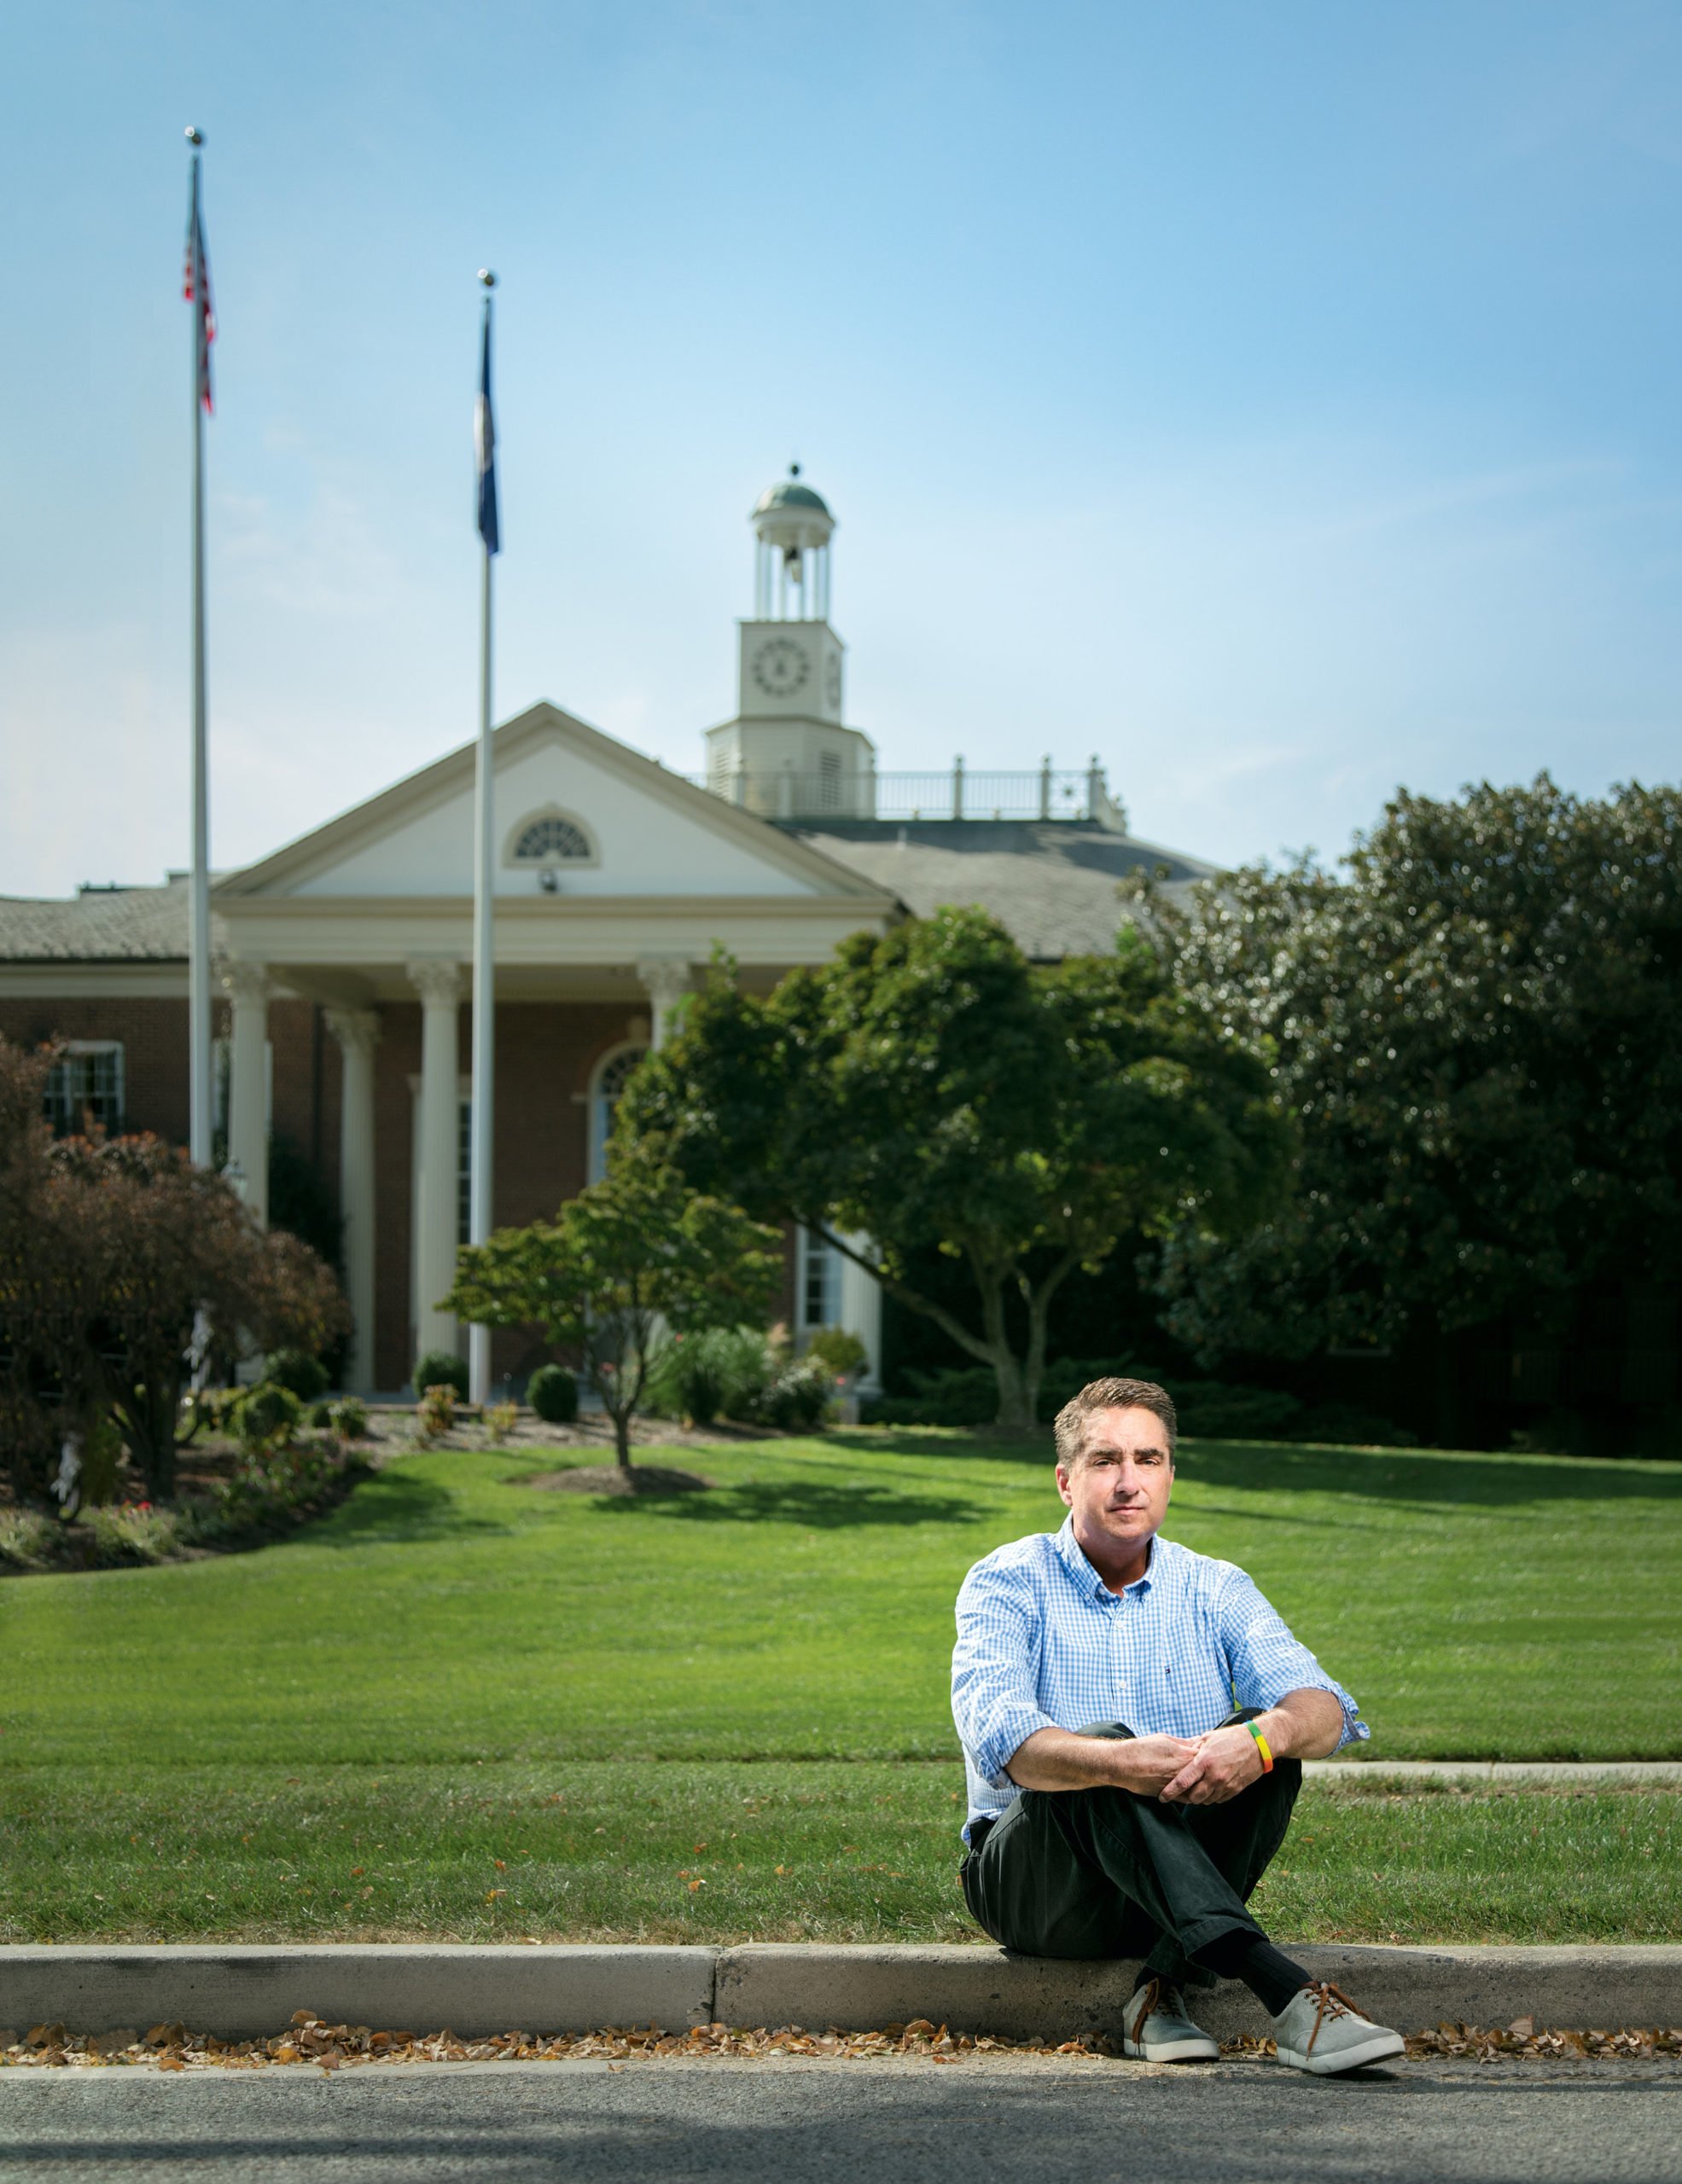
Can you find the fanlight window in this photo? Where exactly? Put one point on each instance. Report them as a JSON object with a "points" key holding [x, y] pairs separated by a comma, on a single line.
{"points": [[549, 838]]}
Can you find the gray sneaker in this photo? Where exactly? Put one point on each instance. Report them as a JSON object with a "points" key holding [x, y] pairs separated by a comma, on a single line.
{"points": [[1320, 2029], [1158, 2029]]}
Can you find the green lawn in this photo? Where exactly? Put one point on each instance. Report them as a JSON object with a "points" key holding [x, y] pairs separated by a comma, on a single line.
{"points": [[453, 1669]]}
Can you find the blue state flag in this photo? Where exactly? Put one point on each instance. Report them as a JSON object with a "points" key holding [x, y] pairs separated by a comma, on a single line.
{"points": [[485, 450]]}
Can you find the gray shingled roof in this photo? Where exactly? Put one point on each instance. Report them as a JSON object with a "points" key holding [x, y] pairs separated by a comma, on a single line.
{"points": [[101, 925], [1050, 884]]}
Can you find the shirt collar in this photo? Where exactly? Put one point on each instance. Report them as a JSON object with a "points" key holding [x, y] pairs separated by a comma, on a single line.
{"points": [[1086, 1578]]}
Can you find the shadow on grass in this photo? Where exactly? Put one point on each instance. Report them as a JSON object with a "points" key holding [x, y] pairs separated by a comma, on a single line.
{"points": [[1406, 1475], [1417, 1477], [397, 1505], [804, 1503], [973, 1443]]}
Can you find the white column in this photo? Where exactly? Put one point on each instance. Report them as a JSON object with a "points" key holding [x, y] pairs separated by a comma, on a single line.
{"points": [[667, 980], [439, 984], [248, 985], [357, 1032]]}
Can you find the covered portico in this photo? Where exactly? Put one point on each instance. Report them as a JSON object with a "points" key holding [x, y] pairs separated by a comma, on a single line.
{"points": [[616, 880]]}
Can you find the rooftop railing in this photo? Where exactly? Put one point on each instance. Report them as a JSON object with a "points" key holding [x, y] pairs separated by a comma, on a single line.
{"points": [[955, 793]]}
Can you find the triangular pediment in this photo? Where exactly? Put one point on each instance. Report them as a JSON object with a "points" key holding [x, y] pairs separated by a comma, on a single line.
{"points": [[622, 827]]}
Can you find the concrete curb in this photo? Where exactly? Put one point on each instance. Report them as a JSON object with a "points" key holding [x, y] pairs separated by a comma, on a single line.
{"points": [[242, 1993]]}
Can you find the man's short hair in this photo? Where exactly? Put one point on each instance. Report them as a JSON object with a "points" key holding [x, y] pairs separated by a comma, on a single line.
{"points": [[1110, 1395]]}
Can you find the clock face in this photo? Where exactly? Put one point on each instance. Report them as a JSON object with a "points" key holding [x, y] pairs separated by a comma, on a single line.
{"points": [[832, 683], [779, 667]]}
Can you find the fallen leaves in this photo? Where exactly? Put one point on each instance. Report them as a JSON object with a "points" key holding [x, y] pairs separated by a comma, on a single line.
{"points": [[1522, 2038], [310, 2040]]}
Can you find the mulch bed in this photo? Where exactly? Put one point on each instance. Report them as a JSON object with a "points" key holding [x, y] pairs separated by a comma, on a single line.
{"points": [[335, 2047], [609, 1478]]}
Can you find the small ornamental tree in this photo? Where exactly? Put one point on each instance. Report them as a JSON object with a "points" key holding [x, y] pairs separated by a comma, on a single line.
{"points": [[170, 1241], [931, 1087], [634, 1254], [110, 1251]]}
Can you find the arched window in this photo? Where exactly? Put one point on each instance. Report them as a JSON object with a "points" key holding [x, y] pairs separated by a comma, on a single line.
{"points": [[606, 1086], [545, 839]]}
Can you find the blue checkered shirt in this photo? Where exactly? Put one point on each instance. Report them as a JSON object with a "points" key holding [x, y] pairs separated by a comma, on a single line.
{"points": [[1044, 1644]]}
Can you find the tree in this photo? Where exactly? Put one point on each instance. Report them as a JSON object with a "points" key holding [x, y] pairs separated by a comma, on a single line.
{"points": [[930, 1086], [630, 1256], [49, 1293], [174, 1253], [113, 1252], [1480, 1028]]}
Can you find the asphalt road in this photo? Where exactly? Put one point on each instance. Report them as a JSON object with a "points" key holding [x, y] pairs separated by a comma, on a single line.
{"points": [[1020, 2119]]}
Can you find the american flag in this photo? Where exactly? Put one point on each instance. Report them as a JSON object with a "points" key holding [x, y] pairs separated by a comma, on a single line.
{"points": [[196, 289]]}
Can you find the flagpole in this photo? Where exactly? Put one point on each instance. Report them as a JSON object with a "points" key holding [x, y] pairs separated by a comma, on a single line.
{"points": [[484, 876], [199, 1092]]}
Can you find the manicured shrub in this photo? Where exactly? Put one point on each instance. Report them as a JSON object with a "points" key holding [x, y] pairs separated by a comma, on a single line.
{"points": [[842, 1351], [439, 1368], [268, 1416], [215, 1409], [277, 1486], [134, 1531], [553, 1394], [435, 1413], [349, 1417], [797, 1399], [962, 1396], [501, 1418], [27, 1538], [296, 1369], [718, 1373]]}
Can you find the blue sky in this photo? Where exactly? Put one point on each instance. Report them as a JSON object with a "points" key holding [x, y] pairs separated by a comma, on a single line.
{"points": [[1282, 403]]}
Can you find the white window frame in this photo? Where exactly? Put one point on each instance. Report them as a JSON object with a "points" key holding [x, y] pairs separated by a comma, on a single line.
{"points": [[597, 1110], [514, 862], [77, 1048], [811, 1251]]}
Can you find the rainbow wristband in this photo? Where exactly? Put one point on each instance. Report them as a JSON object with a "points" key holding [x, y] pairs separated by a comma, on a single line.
{"points": [[1262, 1747]]}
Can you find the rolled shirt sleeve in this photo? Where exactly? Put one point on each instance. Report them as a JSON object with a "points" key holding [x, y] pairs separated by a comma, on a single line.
{"points": [[995, 1699], [1265, 1661]]}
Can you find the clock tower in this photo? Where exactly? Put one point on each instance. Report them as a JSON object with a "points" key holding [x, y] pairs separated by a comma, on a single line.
{"points": [[785, 754]]}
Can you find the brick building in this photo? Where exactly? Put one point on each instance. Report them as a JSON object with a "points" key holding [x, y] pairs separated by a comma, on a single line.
{"points": [[342, 1028]]}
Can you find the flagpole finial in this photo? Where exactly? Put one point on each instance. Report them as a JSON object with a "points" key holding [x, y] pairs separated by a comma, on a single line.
{"points": [[487, 278], [194, 135]]}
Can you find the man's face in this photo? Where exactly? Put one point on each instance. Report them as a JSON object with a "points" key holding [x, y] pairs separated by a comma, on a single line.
{"points": [[1118, 1485]]}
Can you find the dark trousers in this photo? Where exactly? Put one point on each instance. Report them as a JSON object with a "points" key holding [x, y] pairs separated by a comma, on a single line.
{"points": [[1107, 1872]]}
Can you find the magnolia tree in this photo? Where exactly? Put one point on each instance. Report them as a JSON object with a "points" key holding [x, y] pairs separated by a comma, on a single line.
{"points": [[630, 1257], [117, 1257], [932, 1087], [1479, 1022]]}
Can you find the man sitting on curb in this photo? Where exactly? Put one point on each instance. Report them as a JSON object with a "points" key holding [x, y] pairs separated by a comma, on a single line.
{"points": [[1120, 1803]]}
